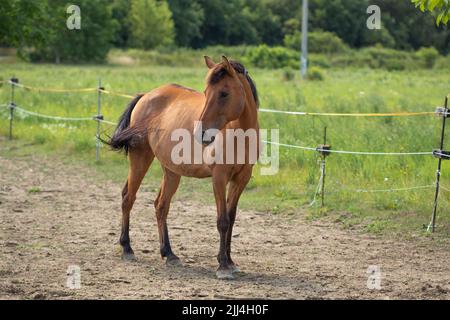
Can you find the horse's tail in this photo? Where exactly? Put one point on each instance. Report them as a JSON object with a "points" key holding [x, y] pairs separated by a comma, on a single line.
{"points": [[125, 136]]}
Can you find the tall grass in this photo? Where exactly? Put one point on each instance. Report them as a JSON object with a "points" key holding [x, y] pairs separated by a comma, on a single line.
{"points": [[343, 90]]}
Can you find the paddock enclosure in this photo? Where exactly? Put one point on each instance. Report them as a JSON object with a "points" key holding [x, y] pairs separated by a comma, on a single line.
{"points": [[60, 194], [74, 219]]}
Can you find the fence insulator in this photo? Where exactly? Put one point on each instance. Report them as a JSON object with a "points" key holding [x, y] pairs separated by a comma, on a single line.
{"points": [[98, 117], [441, 154], [324, 149], [442, 112]]}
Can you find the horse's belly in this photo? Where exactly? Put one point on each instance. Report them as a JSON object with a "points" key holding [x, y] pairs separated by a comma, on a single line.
{"points": [[184, 162], [190, 170]]}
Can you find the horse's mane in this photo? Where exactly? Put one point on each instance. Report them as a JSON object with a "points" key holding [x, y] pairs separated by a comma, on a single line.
{"points": [[220, 72]]}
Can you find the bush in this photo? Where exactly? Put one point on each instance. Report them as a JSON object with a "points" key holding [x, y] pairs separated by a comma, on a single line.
{"points": [[288, 74], [377, 37], [318, 42], [273, 57], [318, 60], [315, 74], [388, 58], [378, 58], [428, 56]]}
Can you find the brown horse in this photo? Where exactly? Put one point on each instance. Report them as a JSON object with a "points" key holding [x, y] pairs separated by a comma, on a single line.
{"points": [[144, 131]]}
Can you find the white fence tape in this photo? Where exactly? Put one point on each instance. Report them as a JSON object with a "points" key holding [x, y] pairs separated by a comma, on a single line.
{"points": [[351, 152]]}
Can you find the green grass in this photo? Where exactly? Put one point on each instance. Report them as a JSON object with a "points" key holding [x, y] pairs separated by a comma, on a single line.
{"points": [[291, 190], [34, 190]]}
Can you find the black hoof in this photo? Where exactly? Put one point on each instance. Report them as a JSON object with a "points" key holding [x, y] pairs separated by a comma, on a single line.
{"points": [[128, 256], [224, 274], [173, 261], [234, 268]]}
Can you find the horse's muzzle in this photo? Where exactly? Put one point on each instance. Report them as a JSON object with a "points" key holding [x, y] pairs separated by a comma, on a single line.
{"points": [[207, 138]]}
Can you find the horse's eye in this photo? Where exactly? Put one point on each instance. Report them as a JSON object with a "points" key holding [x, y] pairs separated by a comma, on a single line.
{"points": [[223, 94]]}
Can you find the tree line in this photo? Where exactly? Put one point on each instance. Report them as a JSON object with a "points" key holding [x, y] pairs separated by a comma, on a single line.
{"points": [[38, 27]]}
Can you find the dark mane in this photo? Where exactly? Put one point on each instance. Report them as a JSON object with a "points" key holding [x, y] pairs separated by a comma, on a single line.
{"points": [[220, 72]]}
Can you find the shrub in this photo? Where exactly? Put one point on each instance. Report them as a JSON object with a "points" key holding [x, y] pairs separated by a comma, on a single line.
{"points": [[428, 56], [288, 74], [318, 42], [317, 60], [315, 74], [273, 57], [377, 37], [390, 59]]}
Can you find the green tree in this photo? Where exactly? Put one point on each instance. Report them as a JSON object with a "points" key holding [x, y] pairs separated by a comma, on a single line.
{"points": [[268, 24], [214, 29], [151, 24], [90, 43], [20, 24], [188, 17], [410, 28], [120, 10], [236, 22], [441, 7], [346, 18]]}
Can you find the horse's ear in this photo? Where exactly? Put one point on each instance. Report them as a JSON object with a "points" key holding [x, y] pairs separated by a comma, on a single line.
{"points": [[227, 65], [209, 62]]}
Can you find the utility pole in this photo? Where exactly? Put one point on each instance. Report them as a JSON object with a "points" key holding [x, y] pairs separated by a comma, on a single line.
{"points": [[304, 54]]}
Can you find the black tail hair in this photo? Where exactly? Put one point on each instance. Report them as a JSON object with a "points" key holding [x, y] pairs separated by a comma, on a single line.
{"points": [[125, 137]]}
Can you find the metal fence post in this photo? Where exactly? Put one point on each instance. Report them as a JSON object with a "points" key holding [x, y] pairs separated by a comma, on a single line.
{"points": [[324, 151], [441, 155], [323, 166], [99, 117], [12, 105]]}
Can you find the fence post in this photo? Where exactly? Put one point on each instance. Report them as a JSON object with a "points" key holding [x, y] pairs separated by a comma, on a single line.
{"points": [[441, 155], [324, 150], [99, 117], [12, 105]]}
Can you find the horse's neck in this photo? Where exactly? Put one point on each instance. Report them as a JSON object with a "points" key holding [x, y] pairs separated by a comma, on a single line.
{"points": [[249, 117]]}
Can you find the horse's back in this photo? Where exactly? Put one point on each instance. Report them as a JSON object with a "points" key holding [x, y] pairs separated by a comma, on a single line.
{"points": [[166, 101]]}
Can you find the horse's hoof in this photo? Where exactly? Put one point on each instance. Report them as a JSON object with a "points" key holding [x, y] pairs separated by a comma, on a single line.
{"points": [[173, 261], [235, 269], [224, 274], [127, 256]]}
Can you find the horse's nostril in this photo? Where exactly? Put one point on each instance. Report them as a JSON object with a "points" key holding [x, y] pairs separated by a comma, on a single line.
{"points": [[207, 138]]}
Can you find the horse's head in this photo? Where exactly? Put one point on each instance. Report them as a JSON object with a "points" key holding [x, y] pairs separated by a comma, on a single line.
{"points": [[225, 98]]}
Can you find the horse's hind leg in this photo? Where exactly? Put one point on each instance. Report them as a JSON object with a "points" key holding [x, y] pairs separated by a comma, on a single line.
{"points": [[169, 186], [140, 160]]}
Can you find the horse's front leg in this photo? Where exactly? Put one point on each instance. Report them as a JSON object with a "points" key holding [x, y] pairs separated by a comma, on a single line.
{"points": [[237, 185], [220, 181]]}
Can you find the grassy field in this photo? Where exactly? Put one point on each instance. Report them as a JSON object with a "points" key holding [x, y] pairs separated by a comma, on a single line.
{"points": [[292, 189]]}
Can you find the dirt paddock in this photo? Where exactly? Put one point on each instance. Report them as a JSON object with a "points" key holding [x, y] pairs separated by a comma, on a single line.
{"points": [[53, 216]]}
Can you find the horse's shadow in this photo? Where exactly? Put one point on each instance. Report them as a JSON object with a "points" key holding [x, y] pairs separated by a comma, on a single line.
{"points": [[281, 282], [297, 285]]}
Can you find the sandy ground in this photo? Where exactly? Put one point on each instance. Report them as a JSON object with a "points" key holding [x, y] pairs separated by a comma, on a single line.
{"points": [[75, 220]]}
